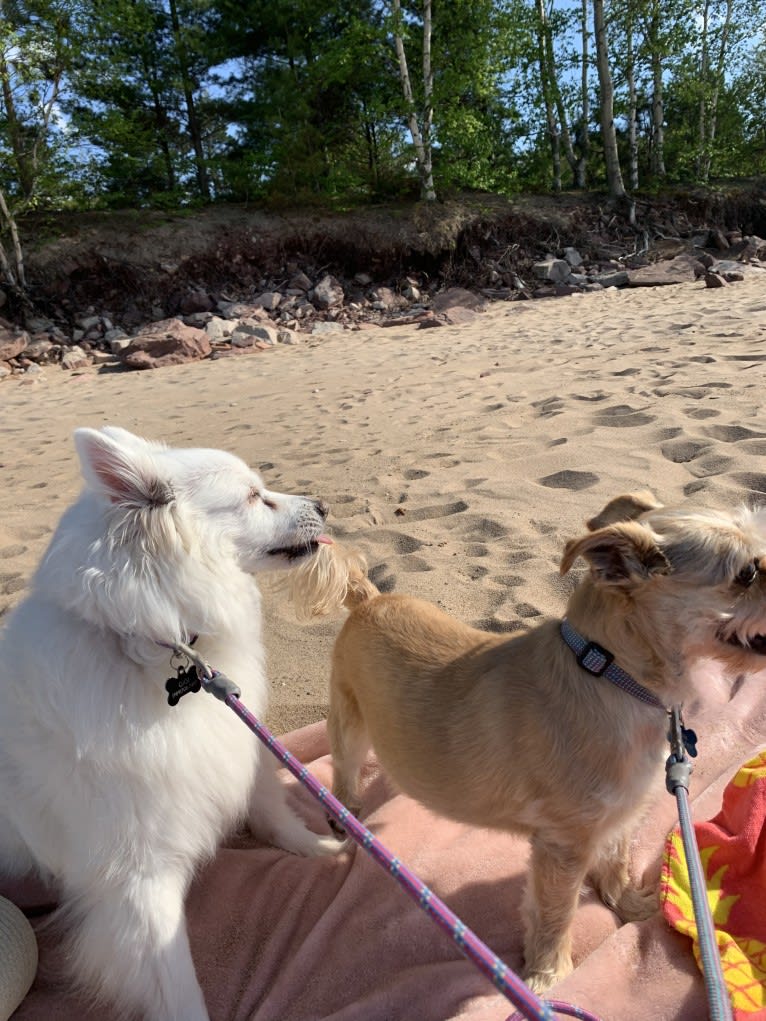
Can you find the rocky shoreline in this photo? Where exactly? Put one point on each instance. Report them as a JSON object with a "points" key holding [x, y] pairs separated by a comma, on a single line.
{"points": [[296, 308]]}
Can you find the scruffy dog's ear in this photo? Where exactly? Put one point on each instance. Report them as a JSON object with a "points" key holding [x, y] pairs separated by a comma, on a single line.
{"points": [[624, 508], [116, 466], [619, 554]]}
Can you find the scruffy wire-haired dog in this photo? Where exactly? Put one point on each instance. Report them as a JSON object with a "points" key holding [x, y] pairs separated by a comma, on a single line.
{"points": [[513, 732]]}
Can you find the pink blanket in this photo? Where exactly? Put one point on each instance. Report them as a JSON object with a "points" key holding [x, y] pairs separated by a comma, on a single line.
{"points": [[280, 938]]}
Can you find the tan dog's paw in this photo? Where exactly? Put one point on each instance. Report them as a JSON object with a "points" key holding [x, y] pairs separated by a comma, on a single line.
{"points": [[636, 904]]}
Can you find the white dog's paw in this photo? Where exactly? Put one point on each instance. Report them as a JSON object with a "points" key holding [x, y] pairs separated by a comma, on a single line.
{"points": [[317, 846]]}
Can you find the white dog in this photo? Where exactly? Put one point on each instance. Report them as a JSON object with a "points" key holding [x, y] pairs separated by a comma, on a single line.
{"points": [[105, 788]]}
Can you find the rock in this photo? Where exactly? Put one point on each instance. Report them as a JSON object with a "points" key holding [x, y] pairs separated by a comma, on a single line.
{"points": [[285, 336], [300, 282], [241, 310], [455, 296], [573, 257], [328, 293], [269, 300], [5, 370], [217, 328], [103, 358], [195, 301], [88, 323], [168, 342], [733, 276], [326, 327], [362, 279], [714, 280], [555, 271], [39, 349], [12, 342], [248, 331], [118, 344], [114, 334], [719, 240], [36, 324], [385, 300], [672, 271], [459, 316], [74, 358], [619, 278], [706, 259]]}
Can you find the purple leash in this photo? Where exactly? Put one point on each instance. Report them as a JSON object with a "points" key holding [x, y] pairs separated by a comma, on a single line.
{"points": [[521, 996]]}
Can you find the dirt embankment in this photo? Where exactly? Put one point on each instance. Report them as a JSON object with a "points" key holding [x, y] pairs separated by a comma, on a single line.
{"points": [[136, 265]]}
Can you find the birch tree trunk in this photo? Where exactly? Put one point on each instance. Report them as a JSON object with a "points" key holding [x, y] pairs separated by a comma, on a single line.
{"points": [[420, 140], [581, 173], [551, 88], [630, 74], [707, 155], [704, 72], [654, 36], [606, 88]]}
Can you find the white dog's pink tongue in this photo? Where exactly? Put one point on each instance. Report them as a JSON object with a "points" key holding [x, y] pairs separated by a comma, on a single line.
{"points": [[325, 539]]}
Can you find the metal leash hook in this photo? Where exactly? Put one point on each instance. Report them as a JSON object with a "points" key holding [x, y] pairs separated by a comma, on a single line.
{"points": [[678, 770]]}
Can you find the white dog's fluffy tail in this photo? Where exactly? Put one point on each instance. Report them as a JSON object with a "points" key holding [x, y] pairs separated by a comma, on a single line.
{"points": [[333, 578]]}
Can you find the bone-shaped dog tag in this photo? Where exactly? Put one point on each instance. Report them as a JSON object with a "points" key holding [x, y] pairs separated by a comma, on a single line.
{"points": [[184, 682]]}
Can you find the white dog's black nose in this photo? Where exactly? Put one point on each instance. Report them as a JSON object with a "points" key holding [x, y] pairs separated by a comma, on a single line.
{"points": [[322, 508]]}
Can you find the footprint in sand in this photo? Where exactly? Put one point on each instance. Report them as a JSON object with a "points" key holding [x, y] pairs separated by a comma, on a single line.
{"points": [[12, 551], [569, 479], [714, 464], [732, 433], [411, 564], [700, 413], [443, 511], [415, 473], [753, 481], [400, 542], [681, 451], [622, 416], [382, 577]]}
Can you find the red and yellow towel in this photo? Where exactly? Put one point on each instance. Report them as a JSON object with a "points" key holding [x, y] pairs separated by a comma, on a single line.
{"points": [[733, 851]]}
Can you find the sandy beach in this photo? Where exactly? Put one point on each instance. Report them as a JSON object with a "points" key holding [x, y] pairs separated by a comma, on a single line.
{"points": [[459, 459]]}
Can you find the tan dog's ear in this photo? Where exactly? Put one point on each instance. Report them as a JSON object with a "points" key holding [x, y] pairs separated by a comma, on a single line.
{"points": [[618, 555], [624, 508]]}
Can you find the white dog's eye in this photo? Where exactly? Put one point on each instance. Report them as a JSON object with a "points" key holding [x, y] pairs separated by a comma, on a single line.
{"points": [[256, 496]]}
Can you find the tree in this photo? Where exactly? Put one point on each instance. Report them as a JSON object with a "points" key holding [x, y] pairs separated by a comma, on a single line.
{"points": [[420, 124], [614, 180], [37, 44]]}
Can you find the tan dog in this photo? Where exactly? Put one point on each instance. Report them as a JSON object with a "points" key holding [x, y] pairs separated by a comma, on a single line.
{"points": [[512, 732]]}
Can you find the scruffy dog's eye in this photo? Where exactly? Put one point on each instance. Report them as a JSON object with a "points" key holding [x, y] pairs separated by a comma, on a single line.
{"points": [[747, 575], [253, 496]]}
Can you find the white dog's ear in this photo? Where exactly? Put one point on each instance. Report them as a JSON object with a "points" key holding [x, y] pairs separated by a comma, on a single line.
{"points": [[117, 467], [619, 554], [129, 439]]}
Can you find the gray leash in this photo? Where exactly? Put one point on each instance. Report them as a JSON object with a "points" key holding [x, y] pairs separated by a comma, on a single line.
{"points": [[678, 769]]}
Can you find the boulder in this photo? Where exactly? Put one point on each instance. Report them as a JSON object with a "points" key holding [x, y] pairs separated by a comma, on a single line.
{"points": [[555, 271], [455, 296], [12, 342], [74, 358], [328, 293], [168, 342]]}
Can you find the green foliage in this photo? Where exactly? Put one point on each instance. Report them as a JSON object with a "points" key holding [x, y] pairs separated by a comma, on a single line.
{"points": [[164, 102]]}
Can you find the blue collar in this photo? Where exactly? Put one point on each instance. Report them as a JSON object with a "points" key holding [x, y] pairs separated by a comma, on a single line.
{"points": [[597, 661]]}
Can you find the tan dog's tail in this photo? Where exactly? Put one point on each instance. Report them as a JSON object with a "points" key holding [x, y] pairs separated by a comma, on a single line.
{"points": [[334, 577]]}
